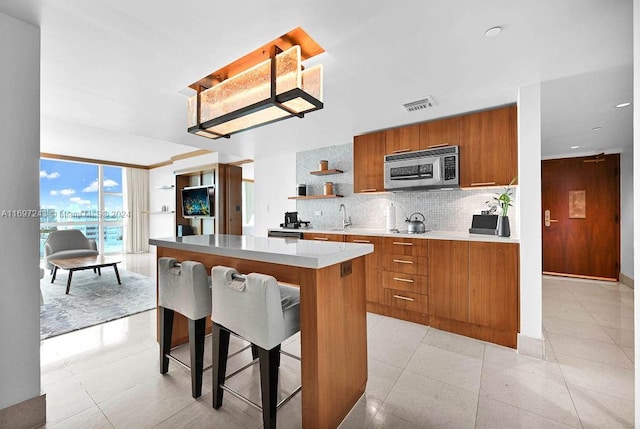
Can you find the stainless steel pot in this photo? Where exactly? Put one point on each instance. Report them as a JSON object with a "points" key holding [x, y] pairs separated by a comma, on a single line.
{"points": [[415, 226]]}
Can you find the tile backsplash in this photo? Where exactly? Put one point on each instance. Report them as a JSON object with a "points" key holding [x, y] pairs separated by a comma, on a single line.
{"points": [[449, 210]]}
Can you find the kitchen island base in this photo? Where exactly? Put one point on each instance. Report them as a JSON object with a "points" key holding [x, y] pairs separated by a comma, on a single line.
{"points": [[333, 330]]}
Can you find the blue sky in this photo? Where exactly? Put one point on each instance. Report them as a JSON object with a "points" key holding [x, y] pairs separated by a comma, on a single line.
{"points": [[73, 186]]}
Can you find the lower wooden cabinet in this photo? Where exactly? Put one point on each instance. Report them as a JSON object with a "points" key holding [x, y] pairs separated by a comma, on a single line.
{"points": [[404, 300], [473, 289], [320, 236], [373, 267]]}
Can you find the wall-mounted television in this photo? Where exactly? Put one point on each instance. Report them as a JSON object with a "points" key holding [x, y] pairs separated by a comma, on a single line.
{"points": [[198, 201]]}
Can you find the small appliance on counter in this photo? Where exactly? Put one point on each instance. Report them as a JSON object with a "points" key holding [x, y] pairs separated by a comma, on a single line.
{"points": [[415, 225], [291, 221], [484, 224]]}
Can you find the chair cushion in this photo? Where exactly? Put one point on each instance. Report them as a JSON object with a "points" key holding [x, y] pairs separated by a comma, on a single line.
{"points": [[184, 288], [68, 254]]}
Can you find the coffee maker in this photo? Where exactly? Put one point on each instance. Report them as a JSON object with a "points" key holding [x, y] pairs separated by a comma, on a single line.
{"points": [[291, 221]]}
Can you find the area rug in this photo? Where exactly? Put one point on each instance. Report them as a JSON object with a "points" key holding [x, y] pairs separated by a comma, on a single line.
{"points": [[92, 300]]}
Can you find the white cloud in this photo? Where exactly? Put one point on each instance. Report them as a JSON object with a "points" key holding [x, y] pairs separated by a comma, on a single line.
{"points": [[67, 192], [107, 184], [80, 201], [52, 175], [53, 192]]}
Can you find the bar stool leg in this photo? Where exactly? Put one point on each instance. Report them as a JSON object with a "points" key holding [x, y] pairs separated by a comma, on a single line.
{"points": [[220, 350], [166, 328], [269, 385], [196, 350]]}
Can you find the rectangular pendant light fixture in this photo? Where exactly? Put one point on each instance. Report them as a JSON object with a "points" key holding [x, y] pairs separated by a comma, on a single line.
{"points": [[265, 86]]}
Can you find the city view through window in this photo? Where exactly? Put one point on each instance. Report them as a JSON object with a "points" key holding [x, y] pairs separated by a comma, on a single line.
{"points": [[82, 196]]}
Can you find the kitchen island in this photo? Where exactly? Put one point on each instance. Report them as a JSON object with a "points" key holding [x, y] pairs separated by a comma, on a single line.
{"points": [[333, 330]]}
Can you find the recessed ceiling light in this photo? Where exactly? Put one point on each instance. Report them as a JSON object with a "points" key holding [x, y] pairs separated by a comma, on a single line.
{"points": [[623, 104], [596, 128], [575, 147], [493, 31]]}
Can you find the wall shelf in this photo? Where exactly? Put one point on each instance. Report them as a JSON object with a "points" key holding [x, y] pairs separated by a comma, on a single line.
{"points": [[160, 212], [316, 197], [326, 172], [165, 187]]}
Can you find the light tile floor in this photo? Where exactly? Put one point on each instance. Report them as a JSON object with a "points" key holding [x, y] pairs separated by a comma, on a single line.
{"points": [[107, 376]]}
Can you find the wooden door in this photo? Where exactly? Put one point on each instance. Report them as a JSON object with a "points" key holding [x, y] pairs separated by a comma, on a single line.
{"points": [[403, 139], [368, 162], [449, 279], [373, 263], [445, 132], [581, 232], [489, 147], [494, 285]]}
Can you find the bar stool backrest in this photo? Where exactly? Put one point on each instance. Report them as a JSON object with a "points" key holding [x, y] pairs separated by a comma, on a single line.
{"points": [[184, 288], [251, 308]]}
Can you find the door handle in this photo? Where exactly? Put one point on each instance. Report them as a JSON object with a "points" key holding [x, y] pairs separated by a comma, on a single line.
{"points": [[547, 219]]}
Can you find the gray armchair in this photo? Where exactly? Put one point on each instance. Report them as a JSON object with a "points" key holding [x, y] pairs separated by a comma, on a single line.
{"points": [[66, 244]]}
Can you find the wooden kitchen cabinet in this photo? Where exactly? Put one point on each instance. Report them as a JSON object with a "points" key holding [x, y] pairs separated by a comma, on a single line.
{"points": [[493, 285], [473, 289], [373, 267], [449, 279], [402, 139], [489, 147], [444, 132], [320, 236], [368, 162]]}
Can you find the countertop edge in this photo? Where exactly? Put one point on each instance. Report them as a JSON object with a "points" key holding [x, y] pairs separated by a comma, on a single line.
{"points": [[300, 260], [431, 235]]}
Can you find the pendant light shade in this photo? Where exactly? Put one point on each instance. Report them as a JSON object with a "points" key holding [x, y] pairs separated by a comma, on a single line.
{"points": [[271, 90]]}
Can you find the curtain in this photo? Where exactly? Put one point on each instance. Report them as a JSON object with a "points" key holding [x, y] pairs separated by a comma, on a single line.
{"points": [[136, 200]]}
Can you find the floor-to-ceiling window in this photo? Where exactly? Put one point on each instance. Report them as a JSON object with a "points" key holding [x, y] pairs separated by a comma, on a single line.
{"points": [[88, 197]]}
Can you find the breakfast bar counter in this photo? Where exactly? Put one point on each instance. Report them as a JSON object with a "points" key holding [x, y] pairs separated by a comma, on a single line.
{"points": [[333, 329]]}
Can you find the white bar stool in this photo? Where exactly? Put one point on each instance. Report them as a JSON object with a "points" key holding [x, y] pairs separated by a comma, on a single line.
{"points": [[184, 288], [261, 311]]}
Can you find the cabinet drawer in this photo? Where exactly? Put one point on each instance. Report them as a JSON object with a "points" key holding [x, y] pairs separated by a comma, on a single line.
{"points": [[406, 300], [405, 246], [405, 282], [323, 237], [406, 264]]}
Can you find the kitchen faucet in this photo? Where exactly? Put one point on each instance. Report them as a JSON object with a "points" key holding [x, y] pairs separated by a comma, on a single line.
{"points": [[345, 222]]}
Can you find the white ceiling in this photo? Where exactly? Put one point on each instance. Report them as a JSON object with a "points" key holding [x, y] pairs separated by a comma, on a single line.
{"points": [[112, 69]]}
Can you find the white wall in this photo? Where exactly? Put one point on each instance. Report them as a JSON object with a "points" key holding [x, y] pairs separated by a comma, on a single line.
{"points": [[529, 209], [19, 166], [636, 187], [626, 212], [275, 181]]}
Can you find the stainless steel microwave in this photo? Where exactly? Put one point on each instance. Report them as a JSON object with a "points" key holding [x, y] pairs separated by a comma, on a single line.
{"points": [[422, 169]]}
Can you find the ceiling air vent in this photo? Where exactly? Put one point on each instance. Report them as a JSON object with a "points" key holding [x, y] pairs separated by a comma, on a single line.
{"points": [[415, 106]]}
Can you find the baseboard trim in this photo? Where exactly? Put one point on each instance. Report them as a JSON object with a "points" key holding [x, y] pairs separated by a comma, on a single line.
{"points": [[26, 414], [626, 280], [533, 347]]}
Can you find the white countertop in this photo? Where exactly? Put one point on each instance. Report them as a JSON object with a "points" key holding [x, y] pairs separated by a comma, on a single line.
{"points": [[294, 252], [431, 235]]}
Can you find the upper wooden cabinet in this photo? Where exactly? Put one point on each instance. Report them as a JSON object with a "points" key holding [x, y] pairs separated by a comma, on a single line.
{"points": [[489, 147], [445, 132], [368, 162], [403, 139]]}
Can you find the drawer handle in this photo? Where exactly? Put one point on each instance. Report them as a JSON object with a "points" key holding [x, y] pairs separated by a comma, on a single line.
{"points": [[361, 241], [437, 145], [368, 190], [403, 280], [321, 238], [400, 261], [483, 183], [399, 243], [404, 298], [401, 150]]}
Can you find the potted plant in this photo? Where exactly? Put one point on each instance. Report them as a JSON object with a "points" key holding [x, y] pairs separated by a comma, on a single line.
{"points": [[503, 200]]}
